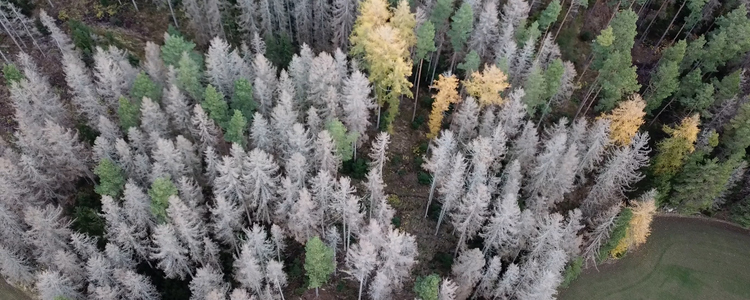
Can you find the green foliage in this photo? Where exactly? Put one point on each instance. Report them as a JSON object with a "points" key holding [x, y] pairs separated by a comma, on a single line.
{"points": [[242, 99], [11, 74], [425, 40], [216, 106], [396, 221], [728, 87], [111, 179], [86, 214], [279, 50], [418, 122], [143, 86], [552, 77], [344, 141], [174, 46], [470, 64], [618, 233], [427, 288], [618, 79], [535, 88], [189, 76], [129, 113], [741, 212], [729, 41], [525, 34], [696, 12], [424, 178], [736, 136], [236, 129], [441, 12], [82, 38], [319, 262], [572, 271], [160, 191], [702, 180], [693, 53], [355, 168], [549, 15], [462, 23], [666, 79]]}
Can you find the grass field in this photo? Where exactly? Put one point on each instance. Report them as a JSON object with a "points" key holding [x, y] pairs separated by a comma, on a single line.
{"points": [[8, 292], [685, 258]]}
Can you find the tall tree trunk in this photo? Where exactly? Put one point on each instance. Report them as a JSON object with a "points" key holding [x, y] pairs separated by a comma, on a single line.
{"points": [[677, 35], [429, 199], [670, 24], [281, 292], [361, 284], [135, 5], [28, 32], [171, 11], [440, 218], [4, 58], [592, 100], [416, 90], [645, 32], [572, 3], [11, 35], [460, 242], [661, 111]]}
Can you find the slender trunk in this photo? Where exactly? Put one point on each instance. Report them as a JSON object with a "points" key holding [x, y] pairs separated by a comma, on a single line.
{"points": [[460, 242], [544, 112], [4, 58], [641, 10], [670, 24], [617, 9], [429, 199], [572, 3], [645, 32], [437, 60], [585, 99], [11, 36], [440, 218], [416, 90], [592, 101], [281, 292], [171, 11], [453, 61], [377, 125], [361, 283], [316, 293], [661, 111], [28, 32], [588, 64], [677, 36], [50, 3], [136, 5]]}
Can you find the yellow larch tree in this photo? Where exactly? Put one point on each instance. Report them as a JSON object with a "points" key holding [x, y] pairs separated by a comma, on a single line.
{"points": [[372, 14], [383, 40], [487, 86], [389, 70], [447, 88], [405, 22], [639, 227], [626, 119], [673, 150]]}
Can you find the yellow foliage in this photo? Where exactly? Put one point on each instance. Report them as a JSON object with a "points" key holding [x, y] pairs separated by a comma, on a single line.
{"points": [[372, 14], [487, 86], [673, 150], [626, 119], [447, 93], [404, 21], [640, 223], [622, 246], [639, 227]]}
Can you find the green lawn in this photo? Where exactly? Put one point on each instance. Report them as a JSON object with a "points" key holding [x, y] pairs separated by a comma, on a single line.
{"points": [[8, 292], [683, 259]]}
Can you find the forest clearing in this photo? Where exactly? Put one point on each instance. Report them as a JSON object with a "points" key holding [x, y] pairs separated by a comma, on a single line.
{"points": [[684, 258]]}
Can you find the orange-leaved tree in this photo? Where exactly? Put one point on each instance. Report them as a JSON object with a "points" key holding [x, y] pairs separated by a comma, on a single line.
{"points": [[447, 87]]}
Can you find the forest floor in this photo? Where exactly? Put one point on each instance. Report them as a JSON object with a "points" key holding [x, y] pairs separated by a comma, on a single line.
{"points": [[684, 258]]}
